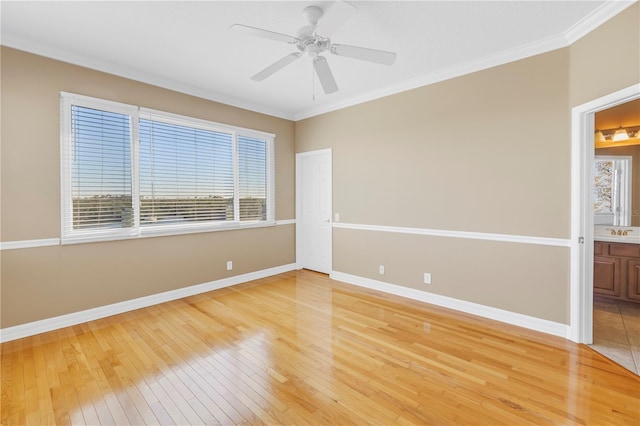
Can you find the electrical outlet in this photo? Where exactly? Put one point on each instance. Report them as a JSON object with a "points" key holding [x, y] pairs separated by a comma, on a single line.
{"points": [[229, 265], [427, 278], [381, 269]]}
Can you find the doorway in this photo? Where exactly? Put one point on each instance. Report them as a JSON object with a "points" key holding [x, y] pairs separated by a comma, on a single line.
{"points": [[616, 309], [582, 222], [313, 211]]}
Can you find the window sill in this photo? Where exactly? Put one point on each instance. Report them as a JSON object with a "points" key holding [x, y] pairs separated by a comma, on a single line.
{"points": [[161, 231]]}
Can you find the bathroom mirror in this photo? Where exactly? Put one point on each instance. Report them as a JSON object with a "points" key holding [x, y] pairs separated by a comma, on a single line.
{"points": [[617, 168]]}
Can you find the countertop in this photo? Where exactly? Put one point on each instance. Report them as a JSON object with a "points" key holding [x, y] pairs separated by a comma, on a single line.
{"points": [[604, 233]]}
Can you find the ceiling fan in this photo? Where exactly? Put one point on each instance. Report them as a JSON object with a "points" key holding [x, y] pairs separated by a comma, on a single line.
{"points": [[313, 39]]}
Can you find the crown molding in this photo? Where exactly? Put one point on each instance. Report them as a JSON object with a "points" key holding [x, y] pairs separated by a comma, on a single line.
{"points": [[599, 16], [489, 61], [592, 21], [137, 75], [596, 18]]}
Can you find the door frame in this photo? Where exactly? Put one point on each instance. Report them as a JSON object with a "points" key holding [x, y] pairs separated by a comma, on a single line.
{"points": [[582, 156], [299, 156]]}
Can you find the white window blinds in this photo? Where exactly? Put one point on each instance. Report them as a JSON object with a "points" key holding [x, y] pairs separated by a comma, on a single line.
{"points": [[129, 171], [186, 174], [101, 190], [252, 168]]}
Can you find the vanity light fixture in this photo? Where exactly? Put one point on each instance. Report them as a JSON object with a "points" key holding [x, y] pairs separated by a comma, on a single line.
{"points": [[617, 135], [620, 135]]}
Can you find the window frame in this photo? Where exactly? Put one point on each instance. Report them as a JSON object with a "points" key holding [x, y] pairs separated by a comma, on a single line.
{"points": [[621, 197], [136, 113]]}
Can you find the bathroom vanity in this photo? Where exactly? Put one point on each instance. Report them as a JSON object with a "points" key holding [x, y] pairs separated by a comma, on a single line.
{"points": [[616, 268]]}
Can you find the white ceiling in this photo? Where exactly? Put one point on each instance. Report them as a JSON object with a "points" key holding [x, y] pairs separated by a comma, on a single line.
{"points": [[186, 46]]}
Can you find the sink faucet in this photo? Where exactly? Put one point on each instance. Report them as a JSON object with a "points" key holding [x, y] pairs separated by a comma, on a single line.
{"points": [[619, 232]]}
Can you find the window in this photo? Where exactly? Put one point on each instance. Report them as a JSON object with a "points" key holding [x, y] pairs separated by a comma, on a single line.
{"points": [[186, 174], [252, 168], [129, 172], [101, 169], [612, 190]]}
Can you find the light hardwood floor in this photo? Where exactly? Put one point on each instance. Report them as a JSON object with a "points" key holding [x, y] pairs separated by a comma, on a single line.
{"points": [[299, 348]]}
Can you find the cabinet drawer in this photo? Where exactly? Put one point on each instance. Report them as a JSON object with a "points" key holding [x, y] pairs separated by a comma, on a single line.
{"points": [[624, 250]]}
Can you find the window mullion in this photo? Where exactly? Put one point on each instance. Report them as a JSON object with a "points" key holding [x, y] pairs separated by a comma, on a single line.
{"points": [[135, 169], [236, 179], [271, 175], [67, 131]]}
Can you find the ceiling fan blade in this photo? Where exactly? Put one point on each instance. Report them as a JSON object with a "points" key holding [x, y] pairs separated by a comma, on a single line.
{"points": [[259, 32], [276, 66], [325, 75], [364, 54], [334, 17]]}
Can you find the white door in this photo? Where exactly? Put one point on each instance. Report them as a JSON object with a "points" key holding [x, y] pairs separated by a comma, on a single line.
{"points": [[313, 210]]}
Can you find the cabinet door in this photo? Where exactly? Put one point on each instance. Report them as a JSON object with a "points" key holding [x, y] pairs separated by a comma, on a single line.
{"points": [[606, 276], [624, 250], [633, 280]]}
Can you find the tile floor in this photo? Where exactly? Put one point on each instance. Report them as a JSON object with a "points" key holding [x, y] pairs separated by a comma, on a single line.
{"points": [[616, 331]]}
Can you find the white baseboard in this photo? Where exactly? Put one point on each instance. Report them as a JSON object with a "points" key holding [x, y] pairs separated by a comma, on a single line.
{"points": [[532, 323], [37, 327]]}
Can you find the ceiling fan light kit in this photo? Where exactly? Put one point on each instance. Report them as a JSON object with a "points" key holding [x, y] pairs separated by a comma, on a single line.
{"points": [[313, 39]]}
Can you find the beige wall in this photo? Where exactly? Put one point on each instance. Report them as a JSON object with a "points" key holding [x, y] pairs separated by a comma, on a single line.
{"points": [[39, 283], [468, 154], [607, 59], [516, 277], [487, 152], [31, 87], [50, 281], [465, 154]]}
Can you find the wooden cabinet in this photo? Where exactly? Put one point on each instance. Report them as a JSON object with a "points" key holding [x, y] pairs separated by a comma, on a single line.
{"points": [[606, 276], [616, 270], [633, 280]]}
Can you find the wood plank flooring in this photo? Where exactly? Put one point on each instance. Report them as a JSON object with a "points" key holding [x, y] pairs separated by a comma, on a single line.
{"points": [[299, 348]]}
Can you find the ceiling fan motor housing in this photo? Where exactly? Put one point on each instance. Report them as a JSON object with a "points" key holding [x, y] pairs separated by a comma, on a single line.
{"points": [[312, 14]]}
